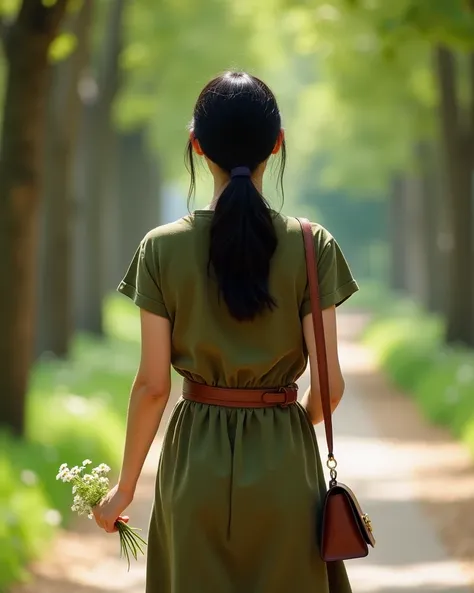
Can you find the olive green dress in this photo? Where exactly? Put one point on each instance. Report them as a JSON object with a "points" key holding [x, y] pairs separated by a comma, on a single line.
{"points": [[238, 491]]}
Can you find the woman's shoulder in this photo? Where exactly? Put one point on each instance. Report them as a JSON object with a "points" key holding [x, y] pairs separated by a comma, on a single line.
{"points": [[169, 230], [290, 225]]}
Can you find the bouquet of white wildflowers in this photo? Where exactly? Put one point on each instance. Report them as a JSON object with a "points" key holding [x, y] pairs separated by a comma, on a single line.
{"points": [[88, 490]]}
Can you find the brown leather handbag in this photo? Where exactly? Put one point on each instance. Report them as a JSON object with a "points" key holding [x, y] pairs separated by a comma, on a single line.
{"points": [[346, 529]]}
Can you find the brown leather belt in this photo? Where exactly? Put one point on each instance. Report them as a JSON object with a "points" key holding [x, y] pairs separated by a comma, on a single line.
{"points": [[240, 398]]}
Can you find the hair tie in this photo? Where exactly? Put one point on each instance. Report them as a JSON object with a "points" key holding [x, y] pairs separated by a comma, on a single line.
{"points": [[240, 172]]}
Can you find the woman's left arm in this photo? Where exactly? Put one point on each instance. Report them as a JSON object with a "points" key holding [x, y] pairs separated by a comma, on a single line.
{"points": [[149, 396]]}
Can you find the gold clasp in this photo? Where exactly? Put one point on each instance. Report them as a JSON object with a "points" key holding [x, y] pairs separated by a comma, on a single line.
{"points": [[368, 522]]}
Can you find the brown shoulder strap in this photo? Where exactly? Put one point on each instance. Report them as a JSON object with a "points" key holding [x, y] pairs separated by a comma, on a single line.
{"points": [[312, 272]]}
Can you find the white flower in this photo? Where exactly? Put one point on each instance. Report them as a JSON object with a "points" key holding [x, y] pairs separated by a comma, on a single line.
{"points": [[65, 475], [80, 505], [101, 469], [63, 470], [87, 489]]}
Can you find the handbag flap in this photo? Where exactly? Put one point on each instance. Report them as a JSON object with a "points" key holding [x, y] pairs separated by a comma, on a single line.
{"points": [[362, 519]]}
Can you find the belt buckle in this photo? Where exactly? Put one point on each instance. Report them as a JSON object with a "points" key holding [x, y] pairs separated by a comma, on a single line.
{"points": [[284, 390], [280, 390]]}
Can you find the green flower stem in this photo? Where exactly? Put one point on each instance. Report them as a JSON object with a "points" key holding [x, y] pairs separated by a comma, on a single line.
{"points": [[133, 541], [135, 534], [130, 541]]}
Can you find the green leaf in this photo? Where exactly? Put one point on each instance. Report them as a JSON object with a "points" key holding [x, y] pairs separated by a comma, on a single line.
{"points": [[9, 7]]}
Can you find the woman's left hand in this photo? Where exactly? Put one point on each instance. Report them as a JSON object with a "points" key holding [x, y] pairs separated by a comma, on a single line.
{"points": [[110, 508]]}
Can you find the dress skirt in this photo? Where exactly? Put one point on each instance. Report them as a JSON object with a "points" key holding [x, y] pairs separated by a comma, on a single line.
{"points": [[238, 503]]}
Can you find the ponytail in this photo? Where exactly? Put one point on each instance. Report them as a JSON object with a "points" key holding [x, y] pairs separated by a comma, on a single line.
{"points": [[243, 241], [236, 122]]}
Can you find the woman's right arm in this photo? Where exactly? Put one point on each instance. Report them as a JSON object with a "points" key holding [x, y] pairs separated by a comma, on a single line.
{"points": [[312, 398]]}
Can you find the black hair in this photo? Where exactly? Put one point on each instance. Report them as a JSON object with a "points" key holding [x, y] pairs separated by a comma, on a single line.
{"points": [[237, 124]]}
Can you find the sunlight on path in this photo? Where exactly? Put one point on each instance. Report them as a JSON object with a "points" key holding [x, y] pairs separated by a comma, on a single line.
{"points": [[427, 577], [398, 466]]}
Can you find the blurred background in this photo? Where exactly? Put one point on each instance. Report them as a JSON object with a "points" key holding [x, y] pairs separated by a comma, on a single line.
{"points": [[377, 100]]}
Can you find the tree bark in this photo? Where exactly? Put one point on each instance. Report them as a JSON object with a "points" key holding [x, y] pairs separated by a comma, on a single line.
{"points": [[413, 236], [398, 244], [111, 217], [139, 194], [55, 322], [99, 136], [458, 149], [430, 228], [439, 242], [26, 46]]}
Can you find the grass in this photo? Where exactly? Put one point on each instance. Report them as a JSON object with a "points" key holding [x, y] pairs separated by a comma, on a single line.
{"points": [[76, 410], [409, 344]]}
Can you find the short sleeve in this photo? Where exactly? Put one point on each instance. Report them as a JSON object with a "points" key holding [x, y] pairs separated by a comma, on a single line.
{"points": [[141, 283], [336, 283]]}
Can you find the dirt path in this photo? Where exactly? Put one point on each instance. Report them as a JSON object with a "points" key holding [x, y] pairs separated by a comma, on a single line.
{"points": [[414, 481]]}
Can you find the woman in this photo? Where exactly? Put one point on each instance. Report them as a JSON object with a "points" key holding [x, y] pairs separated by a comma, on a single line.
{"points": [[224, 298]]}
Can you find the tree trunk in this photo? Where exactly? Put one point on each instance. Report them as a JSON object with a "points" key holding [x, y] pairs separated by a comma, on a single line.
{"points": [[22, 140], [139, 195], [55, 313], [438, 238], [99, 136], [413, 236], [430, 227], [458, 149], [111, 217], [399, 247]]}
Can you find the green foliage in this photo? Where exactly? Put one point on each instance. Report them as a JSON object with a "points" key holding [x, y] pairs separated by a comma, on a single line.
{"points": [[9, 8], [170, 53], [409, 347], [450, 23], [369, 97], [76, 410], [452, 379], [62, 47], [406, 346], [128, 330], [363, 99], [26, 519]]}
